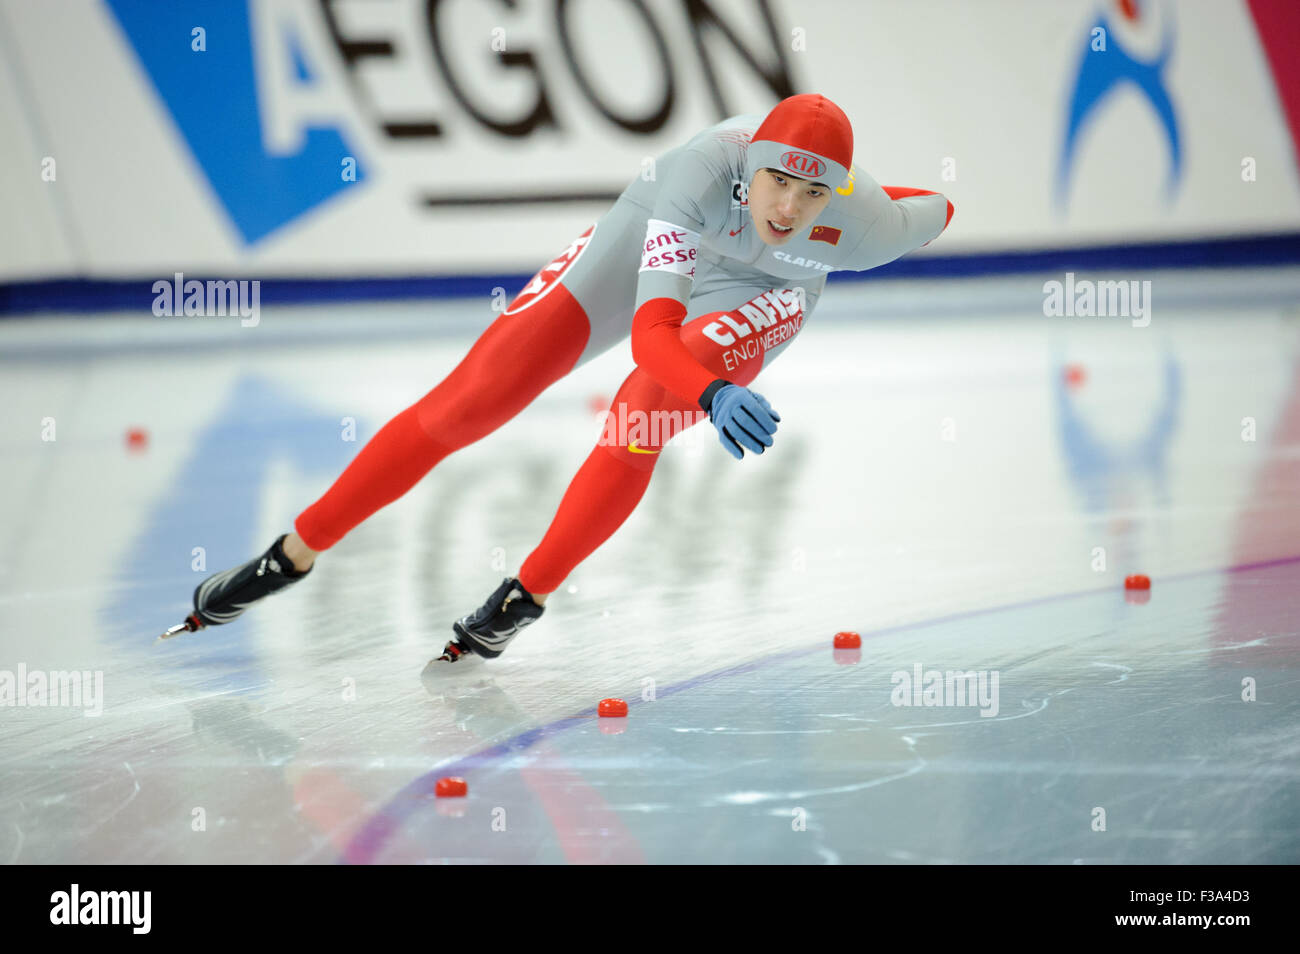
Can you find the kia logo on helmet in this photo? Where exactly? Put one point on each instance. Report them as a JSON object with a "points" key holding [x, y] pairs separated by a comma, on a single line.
{"points": [[803, 165]]}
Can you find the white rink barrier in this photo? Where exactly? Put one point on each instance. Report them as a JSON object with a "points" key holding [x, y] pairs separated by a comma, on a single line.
{"points": [[328, 138]]}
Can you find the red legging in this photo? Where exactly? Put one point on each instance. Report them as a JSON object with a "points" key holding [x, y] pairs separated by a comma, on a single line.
{"points": [[490, 386], [513, 361], [615, 475], [609, 484]]}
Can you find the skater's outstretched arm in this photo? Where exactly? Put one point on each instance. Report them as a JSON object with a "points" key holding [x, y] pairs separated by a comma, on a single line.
{"points": [[906, 219]]}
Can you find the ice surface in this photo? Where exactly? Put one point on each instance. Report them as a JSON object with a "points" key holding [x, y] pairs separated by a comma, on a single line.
{"points": [[936, 485]]}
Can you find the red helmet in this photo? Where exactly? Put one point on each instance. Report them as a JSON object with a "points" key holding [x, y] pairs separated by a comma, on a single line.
{"points": [[808, 136]]}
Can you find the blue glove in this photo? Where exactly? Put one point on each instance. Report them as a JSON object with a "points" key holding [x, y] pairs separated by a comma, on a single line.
{"points": [[743, 419]]}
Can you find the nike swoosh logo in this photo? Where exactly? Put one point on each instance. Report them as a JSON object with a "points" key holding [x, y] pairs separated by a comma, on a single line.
{"points": [[506, 633], [639, 450], [738, 231]]}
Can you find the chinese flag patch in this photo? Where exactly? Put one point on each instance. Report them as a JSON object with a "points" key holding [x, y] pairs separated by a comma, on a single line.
{"points": [[824, 233]]}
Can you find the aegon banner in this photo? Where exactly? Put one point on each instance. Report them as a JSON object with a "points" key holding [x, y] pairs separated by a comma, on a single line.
{"points": [[398, 137]]}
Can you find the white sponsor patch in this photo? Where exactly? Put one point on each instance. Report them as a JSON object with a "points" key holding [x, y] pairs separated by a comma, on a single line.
{"points": [[739, 194], [550, 275], [669, 248]]}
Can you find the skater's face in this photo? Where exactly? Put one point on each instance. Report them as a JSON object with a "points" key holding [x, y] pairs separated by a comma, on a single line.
{"points": [[783, 206]]}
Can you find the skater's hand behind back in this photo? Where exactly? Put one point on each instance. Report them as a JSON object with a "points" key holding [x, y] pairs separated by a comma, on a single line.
{"points": [[744, 419]]}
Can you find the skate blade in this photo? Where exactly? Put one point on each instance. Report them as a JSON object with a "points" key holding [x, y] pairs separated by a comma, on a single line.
{"points": [[452, 664], [188, 626]]}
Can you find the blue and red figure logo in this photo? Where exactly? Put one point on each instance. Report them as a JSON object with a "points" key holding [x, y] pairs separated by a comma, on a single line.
{"points": [[1110, 62]]}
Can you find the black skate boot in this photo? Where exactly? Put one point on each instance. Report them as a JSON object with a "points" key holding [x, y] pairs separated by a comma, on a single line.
{"points": [[225, 595], [488, 631]]}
